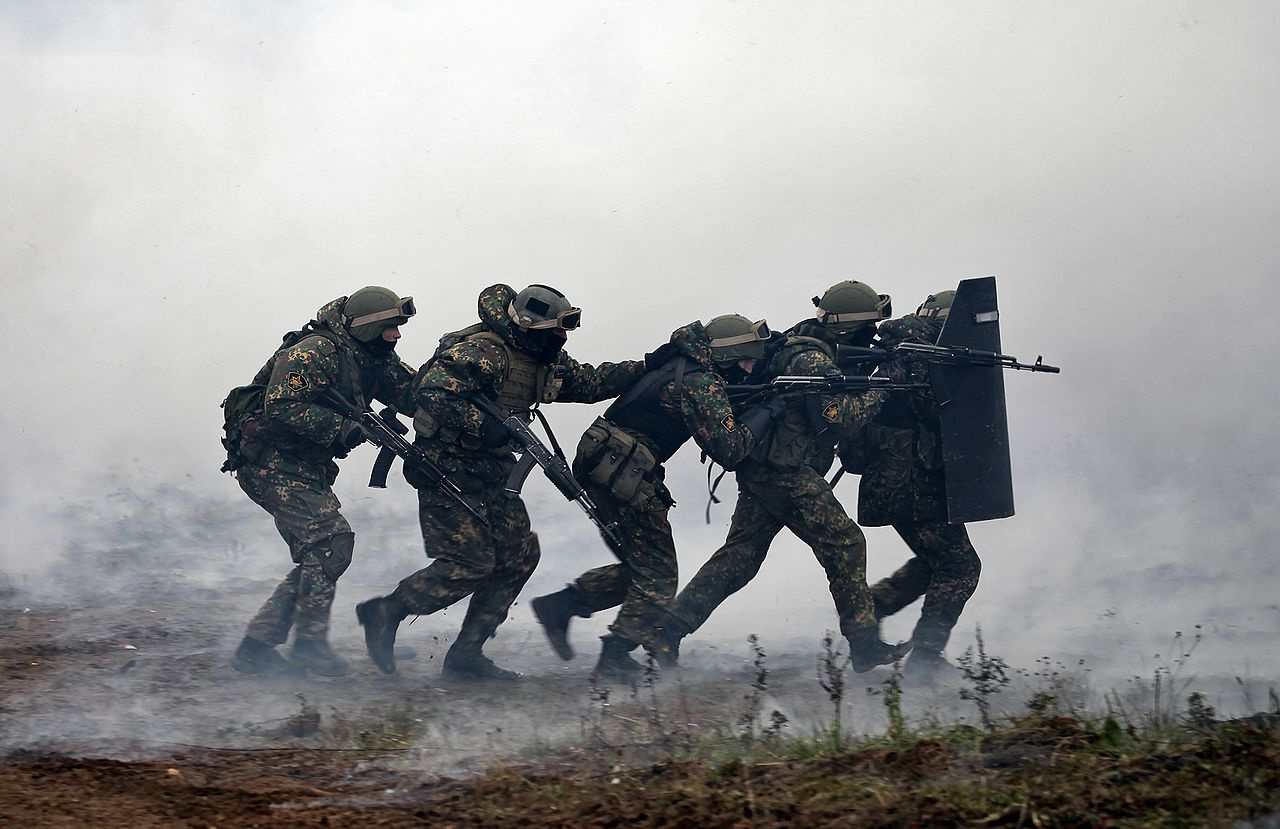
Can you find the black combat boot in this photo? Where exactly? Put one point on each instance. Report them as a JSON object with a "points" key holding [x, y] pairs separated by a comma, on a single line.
{"points": [[929, 667], [475, 666], [615, 663], [554, 612], [380, 618], [866, 651], [316, 656], [254, 657], [666, 642]]}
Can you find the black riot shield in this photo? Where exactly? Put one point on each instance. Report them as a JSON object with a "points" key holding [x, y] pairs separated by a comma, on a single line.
{"points": [[975, 428]]}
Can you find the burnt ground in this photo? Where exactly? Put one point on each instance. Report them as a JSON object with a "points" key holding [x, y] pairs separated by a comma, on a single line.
{"points": [[118, 708]]}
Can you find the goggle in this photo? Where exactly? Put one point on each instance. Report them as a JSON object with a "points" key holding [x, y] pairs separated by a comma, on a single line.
{"points": [[567, 320], [404, 308], [884, 309], [934, 313], [759, 333]]}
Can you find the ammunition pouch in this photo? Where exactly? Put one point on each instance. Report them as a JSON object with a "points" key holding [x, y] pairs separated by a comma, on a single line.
{"points": [[894, 456], [614, 460]]}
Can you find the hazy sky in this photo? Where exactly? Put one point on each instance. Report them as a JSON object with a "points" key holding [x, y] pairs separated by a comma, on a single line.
{"points": [[182, 183]]}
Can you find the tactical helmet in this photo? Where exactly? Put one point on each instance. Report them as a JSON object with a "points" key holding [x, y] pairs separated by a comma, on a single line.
{"points": [[733, 337], [371, 310], [541, 306], [937, 306], [851, 304]]}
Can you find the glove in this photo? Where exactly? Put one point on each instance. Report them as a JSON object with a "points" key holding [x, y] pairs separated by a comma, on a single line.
{"points": [[350, 435], [660, 356], [761, 419], [896, 370]]}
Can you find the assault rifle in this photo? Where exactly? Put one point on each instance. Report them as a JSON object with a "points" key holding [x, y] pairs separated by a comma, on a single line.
{"points": [[387, 433], [794, 386], [554, 466], [950, 355]]}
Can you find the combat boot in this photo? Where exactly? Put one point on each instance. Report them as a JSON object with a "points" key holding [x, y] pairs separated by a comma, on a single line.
{"points": [[929, 667], [259, 658], [866, 651], [475, 666], [554, 612], [666, 643], [380, 617], [615, 663], [316, 656]]}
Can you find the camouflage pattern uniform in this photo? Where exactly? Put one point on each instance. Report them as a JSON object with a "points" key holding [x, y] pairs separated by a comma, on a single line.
{"points": [[289, 466], [490, 564], [903, 485], [782, 485], [694, 405]]}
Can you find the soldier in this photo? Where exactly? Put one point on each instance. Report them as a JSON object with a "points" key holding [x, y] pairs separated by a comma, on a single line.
{"points": [[782, 484], [514, 354], [619, 461], [904, 485], [285, 463]]}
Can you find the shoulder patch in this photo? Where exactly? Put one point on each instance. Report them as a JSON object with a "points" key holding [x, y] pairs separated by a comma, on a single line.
{"points": [[729, 423], [831, 412], [296, 381]]}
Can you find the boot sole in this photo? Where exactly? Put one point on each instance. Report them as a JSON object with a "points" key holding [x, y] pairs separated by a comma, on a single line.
{"points": [[254, 670], [560, 645], [468, 676], [362, 616]]}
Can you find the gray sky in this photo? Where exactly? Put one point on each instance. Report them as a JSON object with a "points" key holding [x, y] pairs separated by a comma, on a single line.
{"points": [[181, 184]]}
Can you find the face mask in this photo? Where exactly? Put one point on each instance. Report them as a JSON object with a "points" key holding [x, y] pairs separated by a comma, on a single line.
{"points": [[543, 345], [379, 346]]}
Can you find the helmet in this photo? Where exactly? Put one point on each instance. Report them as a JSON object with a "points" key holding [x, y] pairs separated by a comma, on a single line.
{"points": [[850, 305], [540, 306], [937, 306], [370, 311], [733, 337]]}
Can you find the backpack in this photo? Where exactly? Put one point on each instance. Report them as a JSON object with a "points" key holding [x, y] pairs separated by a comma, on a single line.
{"points": [[244, 406]]}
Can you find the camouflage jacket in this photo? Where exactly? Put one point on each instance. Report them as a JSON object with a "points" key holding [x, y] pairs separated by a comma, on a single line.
{"points": [[807, 435], [300, 431], [461, 439], [699, 408], [903, 480]]}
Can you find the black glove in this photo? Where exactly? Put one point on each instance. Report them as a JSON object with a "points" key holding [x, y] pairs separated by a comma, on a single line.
{"points": [[896, 370], [761, 419], [350, 435], [660, 356]]}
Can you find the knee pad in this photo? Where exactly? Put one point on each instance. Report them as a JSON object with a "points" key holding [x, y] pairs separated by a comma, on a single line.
{"points": [[335, 556]]}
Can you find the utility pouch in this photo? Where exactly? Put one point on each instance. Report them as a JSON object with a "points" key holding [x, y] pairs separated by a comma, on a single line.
{"points": [[632, 486], [895, 456]]}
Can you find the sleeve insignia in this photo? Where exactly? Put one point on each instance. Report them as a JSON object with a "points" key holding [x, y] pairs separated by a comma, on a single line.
{"points": [[296, 381], [729, 423], [831, 412]]}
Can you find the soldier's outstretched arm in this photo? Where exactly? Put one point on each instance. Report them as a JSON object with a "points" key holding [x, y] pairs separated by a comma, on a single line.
{"points": [[585, 383]]}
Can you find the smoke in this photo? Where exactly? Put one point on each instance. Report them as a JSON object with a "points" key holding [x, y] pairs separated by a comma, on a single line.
{"points": [[183, 185]]}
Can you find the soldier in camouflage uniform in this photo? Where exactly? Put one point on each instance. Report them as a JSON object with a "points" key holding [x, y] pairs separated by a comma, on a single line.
{"points": [[286, 465], [513, 355], [782, 484], [619, 461], [903, 485]]}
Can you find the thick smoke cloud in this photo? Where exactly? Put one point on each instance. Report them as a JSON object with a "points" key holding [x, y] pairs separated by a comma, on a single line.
{"points": [[182, 185]]}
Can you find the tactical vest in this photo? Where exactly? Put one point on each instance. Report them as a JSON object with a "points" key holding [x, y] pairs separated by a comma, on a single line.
{"points": [[641, 410], [795, 442]]}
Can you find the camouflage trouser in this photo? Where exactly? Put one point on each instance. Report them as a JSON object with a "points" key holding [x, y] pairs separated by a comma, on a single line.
{"points": [[490, 564], [306, 514], [645, 580], [803, 502], [944, 569]]}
